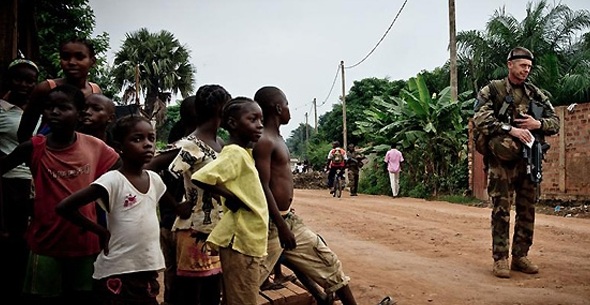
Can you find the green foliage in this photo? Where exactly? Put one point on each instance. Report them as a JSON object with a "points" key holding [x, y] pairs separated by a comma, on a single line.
{"points": [[330, 125], [420, 191], [104, 78], [556, 34], [59, 21], [431, 131], [160, 145], [296, 141], [172, 116], [359, 98], [375, 181], [317, 153], [223, 134], [437, 79], [458, 179]]}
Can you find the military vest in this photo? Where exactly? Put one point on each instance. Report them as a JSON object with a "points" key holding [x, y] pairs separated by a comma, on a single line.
{"points": [[508, 104]]}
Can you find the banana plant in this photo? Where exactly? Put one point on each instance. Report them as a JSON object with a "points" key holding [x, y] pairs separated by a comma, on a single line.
{"points": [[431, 124]]}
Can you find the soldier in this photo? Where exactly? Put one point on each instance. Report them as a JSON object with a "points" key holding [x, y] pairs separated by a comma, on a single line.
{"points": [[354, 163], [503, 120]]}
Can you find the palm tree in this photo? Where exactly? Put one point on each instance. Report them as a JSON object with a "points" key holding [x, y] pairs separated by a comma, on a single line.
{"points": [[163, 64], [550, 31]]}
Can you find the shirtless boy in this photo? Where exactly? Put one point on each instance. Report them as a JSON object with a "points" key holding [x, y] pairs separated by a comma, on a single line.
{"points": [[301, 245]]}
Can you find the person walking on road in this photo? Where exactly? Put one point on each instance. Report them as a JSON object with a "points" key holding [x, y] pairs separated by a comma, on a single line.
{"points": [[394, 158]]}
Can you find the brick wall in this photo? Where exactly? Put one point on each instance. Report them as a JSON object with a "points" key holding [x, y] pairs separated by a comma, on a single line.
{"points": [[567, 164], [566, 169]]}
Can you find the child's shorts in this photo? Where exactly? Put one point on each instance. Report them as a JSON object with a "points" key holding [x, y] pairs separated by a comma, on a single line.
{"points": [[312, 256], [48, 276], [137, 288], [241, 273]]}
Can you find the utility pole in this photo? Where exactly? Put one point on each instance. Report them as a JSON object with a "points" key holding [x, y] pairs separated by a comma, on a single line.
{"points": [[453, 49], [306, 129], [315, 112], [344, 132]]}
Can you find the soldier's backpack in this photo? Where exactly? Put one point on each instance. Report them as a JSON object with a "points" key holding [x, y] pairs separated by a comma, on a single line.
{"points": [[480, 140]]}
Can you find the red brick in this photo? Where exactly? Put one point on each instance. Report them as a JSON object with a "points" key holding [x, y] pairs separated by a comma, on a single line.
{"points": [[290, 295]]}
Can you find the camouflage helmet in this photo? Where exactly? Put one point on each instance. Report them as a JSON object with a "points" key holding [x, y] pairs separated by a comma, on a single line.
{"points": [[505, 147]]}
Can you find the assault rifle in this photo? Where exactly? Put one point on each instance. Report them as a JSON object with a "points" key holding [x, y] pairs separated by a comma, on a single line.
{"points": [[535, 153]]}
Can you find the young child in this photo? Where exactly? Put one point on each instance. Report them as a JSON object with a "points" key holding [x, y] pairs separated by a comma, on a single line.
{"points": [[186, 125], [22, 77], [303, 249], [97, 117], [76, 59], [64, 161], [198, 273], [126, 271], [241, 234], [175, 186]]}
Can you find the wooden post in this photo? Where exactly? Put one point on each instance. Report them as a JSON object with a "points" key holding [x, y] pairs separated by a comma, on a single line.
{"points": [[453, 50], [306, 129], [344, 132], [315, 112]]}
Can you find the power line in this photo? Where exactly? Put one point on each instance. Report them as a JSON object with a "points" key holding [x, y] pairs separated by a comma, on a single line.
{"points": [[380, 40], [331, 88], [302, 106]]}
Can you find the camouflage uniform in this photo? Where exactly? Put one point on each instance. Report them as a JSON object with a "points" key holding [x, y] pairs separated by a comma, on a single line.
{"points": [[354, 165], [506, 166]]}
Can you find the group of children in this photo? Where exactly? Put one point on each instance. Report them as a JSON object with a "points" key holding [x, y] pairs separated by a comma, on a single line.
{"points": [[230, 227]]}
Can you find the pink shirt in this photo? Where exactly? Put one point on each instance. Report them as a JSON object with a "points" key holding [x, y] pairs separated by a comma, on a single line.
{"points": [[58, 174], [393, 158]]}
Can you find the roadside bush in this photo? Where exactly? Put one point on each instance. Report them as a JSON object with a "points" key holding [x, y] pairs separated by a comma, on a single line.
{"points": [[374, 180], [420, 190]]}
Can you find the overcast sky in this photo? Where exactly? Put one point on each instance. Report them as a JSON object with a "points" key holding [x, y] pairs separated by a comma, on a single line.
{"points": [[297, 45]]}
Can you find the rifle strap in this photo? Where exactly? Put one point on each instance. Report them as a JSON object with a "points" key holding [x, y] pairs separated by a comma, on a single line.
{"points": [[508, 100]]}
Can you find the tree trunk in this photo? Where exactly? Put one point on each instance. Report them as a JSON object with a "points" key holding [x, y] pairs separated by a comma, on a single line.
{"points": [[150, 101], [8, 37]]}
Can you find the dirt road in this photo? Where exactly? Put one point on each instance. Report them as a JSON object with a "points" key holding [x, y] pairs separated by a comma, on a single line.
{"points": [[430, 252]]}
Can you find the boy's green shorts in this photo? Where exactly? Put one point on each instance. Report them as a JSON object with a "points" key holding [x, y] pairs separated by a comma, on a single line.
{"points": [[48, 276]]}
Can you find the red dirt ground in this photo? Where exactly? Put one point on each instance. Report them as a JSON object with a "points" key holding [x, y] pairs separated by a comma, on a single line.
{"points": [[432, 252]]}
